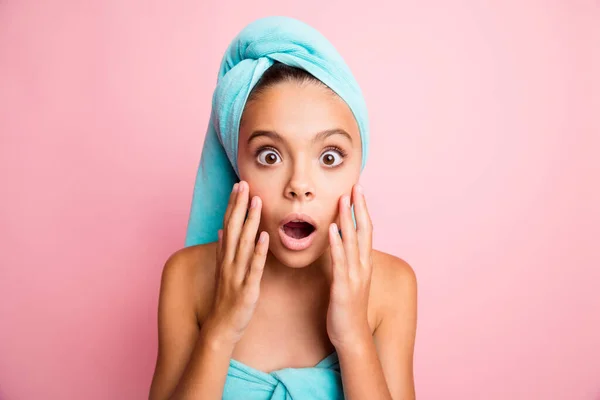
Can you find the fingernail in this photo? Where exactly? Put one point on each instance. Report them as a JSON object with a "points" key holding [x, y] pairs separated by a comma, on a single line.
{"points": [[235, 188], [359, 189], [346, 201], [242, 186], [333, 228], [253, 202], [262, 237]]}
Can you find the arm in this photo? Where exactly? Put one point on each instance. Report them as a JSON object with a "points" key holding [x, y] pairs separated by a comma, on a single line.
{"points": [[395, 335], [364, 375], [205, 374], [189, 358], [192, 362], [388, 355]]}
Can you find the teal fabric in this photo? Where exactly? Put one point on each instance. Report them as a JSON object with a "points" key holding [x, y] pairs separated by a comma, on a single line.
{"points": [[321, 382], [249, 55]]}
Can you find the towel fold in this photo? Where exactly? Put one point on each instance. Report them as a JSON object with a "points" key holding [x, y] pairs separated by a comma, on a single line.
{"points": [[249, 55], [321, 382]]}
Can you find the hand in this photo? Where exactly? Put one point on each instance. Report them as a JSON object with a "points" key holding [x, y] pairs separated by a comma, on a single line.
{"points": [[347, 322], [240, 265]]}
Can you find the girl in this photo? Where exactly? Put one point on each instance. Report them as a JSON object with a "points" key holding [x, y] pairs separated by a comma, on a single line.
{"points": [[278, 294]]}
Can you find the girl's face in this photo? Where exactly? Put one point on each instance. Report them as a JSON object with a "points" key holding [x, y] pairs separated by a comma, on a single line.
{"points": [[299, 150]]}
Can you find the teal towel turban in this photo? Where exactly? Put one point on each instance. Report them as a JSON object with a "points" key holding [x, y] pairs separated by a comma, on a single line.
{"points": [[249, 55]]}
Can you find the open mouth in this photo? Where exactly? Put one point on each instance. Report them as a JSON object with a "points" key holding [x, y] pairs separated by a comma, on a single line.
{"points": [[298, 229]]}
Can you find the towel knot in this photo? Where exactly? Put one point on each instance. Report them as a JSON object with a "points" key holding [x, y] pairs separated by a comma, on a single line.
{"points": [[321, 382]]}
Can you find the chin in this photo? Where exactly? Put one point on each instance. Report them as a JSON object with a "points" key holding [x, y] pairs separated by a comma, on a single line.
{"points": [[295, 260], [298, 258]]}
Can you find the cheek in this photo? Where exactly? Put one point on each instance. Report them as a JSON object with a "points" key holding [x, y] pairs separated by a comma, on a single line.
{"points": [[264, 190], [328, 204], [333, 186], [330, 193]]}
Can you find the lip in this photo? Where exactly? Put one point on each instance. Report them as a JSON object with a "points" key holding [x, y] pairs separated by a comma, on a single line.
{"points": [[297, 244], [298, 217]]}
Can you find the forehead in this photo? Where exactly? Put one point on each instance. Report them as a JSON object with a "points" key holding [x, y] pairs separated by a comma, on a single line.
{"points": [[298, 111]]}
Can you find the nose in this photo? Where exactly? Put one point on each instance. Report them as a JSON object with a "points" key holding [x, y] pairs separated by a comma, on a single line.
{"points": [[300, 186]]}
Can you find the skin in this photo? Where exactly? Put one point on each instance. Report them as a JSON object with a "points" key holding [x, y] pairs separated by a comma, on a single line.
{"points": [[299, 181], [339, 294]]}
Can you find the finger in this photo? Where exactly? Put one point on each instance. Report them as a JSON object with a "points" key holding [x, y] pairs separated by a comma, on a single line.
{"points": [[219, 249], [349, 239], [257, 266], [338, 257], [220, 246], [235, 223], [364, 226], [248, 237], [230, 204]]}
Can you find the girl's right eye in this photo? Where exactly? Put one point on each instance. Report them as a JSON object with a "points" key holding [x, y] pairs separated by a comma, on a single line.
{"points": [[268, 157]]}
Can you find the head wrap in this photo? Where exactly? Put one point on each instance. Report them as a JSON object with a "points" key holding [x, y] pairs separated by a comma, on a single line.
{"points": [[260, 44]]}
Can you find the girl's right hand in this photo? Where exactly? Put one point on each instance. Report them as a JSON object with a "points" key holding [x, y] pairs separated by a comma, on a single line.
{"points": [[240, 265]]}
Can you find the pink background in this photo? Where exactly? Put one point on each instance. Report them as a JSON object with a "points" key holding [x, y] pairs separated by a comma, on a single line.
{"points": [[483, 175]]}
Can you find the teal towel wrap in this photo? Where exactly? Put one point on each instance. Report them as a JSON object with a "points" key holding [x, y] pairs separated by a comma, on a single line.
{"points": [[321, 382], [249, 55]]}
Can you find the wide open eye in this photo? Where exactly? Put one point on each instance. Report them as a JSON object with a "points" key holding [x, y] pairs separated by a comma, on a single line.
{"points": [[332, 158], [268, 156]]}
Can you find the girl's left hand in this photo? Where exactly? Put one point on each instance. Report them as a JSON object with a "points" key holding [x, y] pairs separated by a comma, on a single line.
{"points": [[347, 323]]}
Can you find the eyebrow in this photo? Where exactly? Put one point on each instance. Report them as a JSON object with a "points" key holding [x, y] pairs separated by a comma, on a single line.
{"points": [[318, 137]]}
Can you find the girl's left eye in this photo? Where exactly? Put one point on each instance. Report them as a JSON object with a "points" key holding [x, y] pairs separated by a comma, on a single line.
{"points": [[332, 158]]}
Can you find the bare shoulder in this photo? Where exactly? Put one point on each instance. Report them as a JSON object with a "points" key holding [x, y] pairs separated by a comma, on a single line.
{"points": [[393, 282], [190, 272], [389, 266], [186, 290], [396, 290]]}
